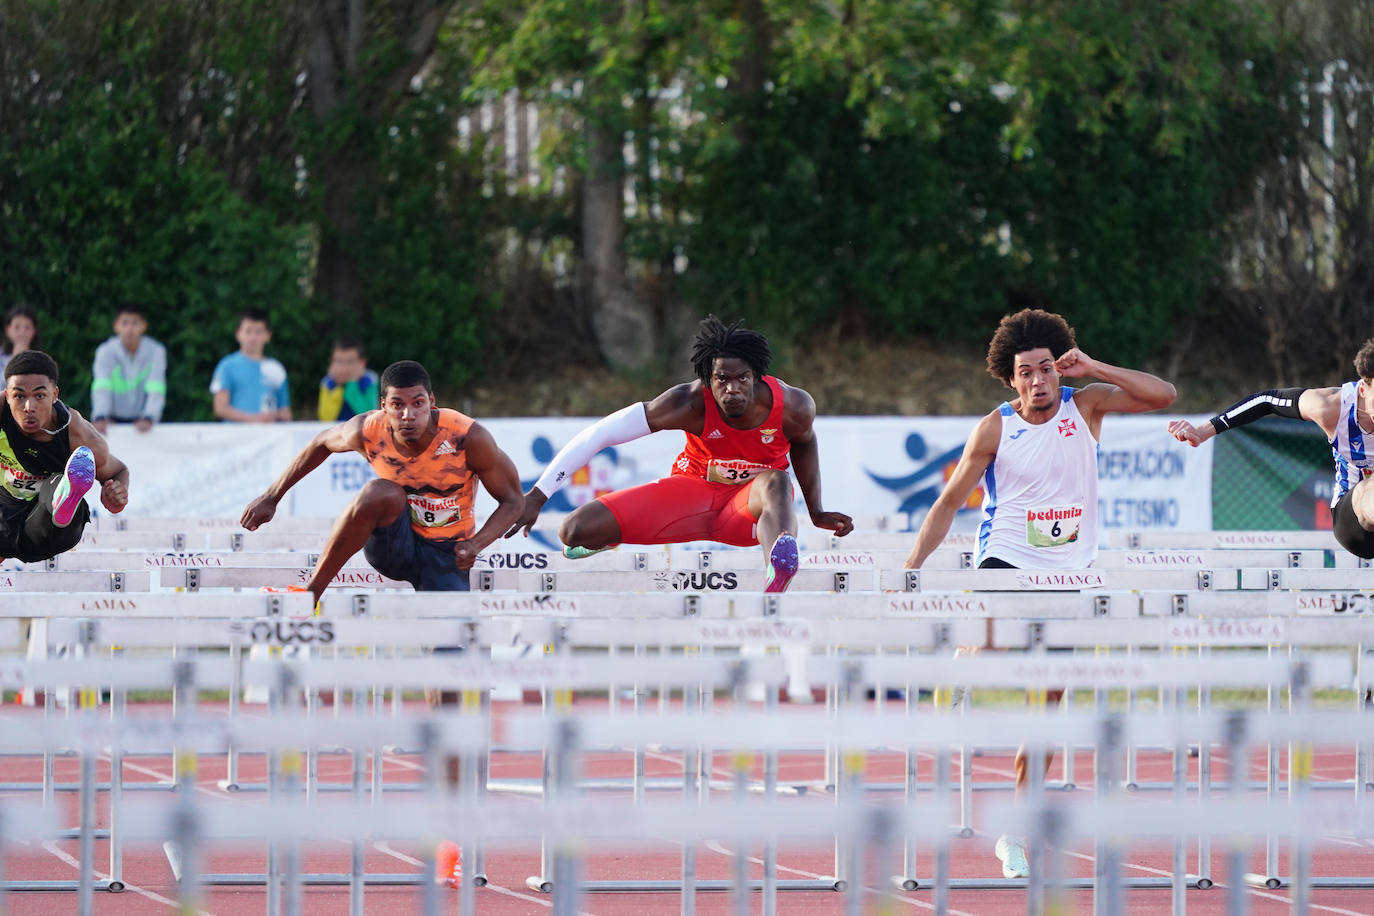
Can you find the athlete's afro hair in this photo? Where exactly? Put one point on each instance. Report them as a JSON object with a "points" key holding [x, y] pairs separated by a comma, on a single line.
{"points": [[1028, 329], [716, 339]]}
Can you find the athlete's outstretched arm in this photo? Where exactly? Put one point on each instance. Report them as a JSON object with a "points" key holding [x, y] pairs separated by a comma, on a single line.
{"points": [[670, 410], [499, 478], [1320, 405], [346, 437], [112, 473], [806, 464], [979, 452]]}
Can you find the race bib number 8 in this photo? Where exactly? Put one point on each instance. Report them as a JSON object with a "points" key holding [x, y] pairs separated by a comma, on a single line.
{"points": [[726, 471], [1054, 526], [433, 513]]}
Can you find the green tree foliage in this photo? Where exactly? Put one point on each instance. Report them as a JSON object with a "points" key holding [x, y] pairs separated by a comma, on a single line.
{"points": [[100, 205], [890, 166]]}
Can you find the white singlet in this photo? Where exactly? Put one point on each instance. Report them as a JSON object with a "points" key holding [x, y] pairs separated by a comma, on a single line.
{"points": [[1040, 492], [1348, 448]]}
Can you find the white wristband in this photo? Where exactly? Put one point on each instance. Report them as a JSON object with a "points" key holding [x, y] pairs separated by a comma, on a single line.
{"points": [[622, 426]]}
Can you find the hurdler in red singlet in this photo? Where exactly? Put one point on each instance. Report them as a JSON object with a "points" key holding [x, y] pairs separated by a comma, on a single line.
{"points": [[730, 484]]}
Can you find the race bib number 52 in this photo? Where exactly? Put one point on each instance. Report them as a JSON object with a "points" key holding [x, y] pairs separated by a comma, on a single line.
{"points": [[1053, 526]]}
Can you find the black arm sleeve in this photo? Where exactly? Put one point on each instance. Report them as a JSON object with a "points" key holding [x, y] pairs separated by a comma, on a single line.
{"points": [[1280, 401]]}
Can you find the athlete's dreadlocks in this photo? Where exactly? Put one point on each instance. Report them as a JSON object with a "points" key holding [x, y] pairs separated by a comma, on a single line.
{"points": [[1028, 329], [715, 339]]}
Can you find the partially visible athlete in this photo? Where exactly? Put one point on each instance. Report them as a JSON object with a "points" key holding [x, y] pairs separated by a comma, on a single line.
{"points": [[51, 456], [730, 484], [415, 521], [1036, 457], [1346, 417]]}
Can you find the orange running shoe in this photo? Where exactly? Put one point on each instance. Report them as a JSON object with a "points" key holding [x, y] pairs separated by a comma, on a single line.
{"points": [[448, 864]]}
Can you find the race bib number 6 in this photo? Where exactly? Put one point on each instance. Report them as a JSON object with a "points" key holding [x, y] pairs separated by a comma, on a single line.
{"points": [[433, 513], [726, 471], [1053, 526]]}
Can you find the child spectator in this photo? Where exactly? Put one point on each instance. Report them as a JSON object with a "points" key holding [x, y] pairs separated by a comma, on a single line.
{"points": [[21, 333], [129, 378], [248, 387], [349, 388]]}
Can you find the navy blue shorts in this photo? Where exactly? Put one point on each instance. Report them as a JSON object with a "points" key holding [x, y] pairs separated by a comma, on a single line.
{"points": [[397, 552]]}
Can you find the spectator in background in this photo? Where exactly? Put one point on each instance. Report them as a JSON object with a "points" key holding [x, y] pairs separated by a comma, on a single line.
{"points": [[248, 387], [129, 378], [21, 333], [349, 388]]}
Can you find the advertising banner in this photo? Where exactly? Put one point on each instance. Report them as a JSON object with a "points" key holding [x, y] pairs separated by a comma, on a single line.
{"points": [[869, 466]]}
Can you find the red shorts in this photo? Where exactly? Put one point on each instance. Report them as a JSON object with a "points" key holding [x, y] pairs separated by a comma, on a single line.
{"points": [[678, 509]]}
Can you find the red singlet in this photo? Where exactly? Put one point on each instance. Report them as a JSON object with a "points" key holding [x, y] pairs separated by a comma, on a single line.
{"points": [[706, 497]]}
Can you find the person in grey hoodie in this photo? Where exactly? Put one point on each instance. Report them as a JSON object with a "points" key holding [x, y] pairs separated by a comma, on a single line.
{"points": [[129, 379]]}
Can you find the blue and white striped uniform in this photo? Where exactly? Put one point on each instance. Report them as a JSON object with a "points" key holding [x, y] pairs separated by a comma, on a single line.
{"points": [[1350, 448], [1040, 492]]}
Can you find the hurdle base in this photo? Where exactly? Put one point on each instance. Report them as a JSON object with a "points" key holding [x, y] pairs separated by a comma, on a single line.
{"points": [[539, 884], [902, 883], [1270, 882], [228, 785]]}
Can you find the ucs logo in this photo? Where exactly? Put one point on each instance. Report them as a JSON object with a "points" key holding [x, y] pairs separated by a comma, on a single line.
{"points": [[287, 632], [695, 581], [514, 560]]}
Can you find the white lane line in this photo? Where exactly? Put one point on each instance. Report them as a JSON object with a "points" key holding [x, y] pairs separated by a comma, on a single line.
{"points": [[716, 847], [382, 847], [52, 847], [1254, 892]]}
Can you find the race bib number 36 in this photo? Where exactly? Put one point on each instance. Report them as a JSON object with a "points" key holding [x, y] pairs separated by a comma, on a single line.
{"points": [[1054, 526], [433, 513], [727, 471]]}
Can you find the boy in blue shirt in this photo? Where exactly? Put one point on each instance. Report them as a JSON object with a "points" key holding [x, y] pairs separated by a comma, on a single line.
{"points": [[248, 387]]}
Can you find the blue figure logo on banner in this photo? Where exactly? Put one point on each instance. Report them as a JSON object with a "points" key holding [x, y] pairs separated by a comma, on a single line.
{"points": [[587, 483], [920, 488]]}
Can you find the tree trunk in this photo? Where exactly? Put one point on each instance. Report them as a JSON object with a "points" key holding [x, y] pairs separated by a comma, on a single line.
{"points": [[624, 326]]}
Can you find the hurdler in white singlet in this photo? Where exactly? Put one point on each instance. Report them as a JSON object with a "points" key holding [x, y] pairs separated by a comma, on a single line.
{"points": [[1040, 492], [1350, 446]]}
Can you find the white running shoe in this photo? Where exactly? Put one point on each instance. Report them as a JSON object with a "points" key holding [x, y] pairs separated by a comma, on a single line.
{"points": [[1012, 851], [75, 483]]}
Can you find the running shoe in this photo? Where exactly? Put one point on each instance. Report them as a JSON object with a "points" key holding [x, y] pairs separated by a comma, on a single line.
{"points": [[283, 589], [75, 483], [581, 553], [448, 865], [1012, 851], [782, 564]]}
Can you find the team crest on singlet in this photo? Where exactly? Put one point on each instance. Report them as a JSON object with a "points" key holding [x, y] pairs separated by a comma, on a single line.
{"points": [[766, 435]]}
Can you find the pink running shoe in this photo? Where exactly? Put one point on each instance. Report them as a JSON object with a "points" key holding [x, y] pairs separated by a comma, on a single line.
{"points": [[76, 483], [782, 564]]}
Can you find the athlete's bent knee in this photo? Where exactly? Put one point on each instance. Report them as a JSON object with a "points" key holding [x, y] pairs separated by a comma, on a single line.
{"points": [[379, 499]]}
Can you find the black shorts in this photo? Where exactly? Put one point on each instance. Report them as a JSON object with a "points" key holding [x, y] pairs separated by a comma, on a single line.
{"points": [[994, 563], [27, 532], [397, 552], [1346, 526]]}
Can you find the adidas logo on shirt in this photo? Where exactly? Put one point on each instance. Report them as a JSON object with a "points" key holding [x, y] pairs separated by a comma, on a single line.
{"points": [[715, 434], [445, 448]]}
